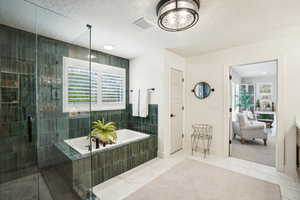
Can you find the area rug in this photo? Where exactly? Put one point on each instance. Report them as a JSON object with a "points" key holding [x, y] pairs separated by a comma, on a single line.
{"points": [[193, 180]]}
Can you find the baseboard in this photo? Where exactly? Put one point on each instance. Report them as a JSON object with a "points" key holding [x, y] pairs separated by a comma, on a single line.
{"points": [[293, 173], [161, 154]]}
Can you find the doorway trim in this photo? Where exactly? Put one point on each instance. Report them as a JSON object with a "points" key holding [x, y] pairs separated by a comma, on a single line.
{"points": [[280, 162]]}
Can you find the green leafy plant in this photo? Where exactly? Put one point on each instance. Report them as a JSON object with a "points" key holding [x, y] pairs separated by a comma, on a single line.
{"points": [[106, 132], [257, 103], [245, 99]]}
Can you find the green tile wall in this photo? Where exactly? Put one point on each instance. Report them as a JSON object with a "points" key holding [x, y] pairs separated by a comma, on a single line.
{"points": [[145, 125], [54, 125], [17, 102], [17, 56]]}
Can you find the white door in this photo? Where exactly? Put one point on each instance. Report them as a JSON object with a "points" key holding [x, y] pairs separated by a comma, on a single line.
{"points": [[176, 110]]}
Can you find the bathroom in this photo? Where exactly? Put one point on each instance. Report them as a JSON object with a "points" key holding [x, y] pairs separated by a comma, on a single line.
{"points": [[130, 100]]}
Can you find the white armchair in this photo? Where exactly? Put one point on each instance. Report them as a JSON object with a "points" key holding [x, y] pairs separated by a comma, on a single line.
{"points": [[249, 130]]}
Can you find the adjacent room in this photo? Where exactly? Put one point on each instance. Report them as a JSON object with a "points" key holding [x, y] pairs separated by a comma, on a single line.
{"points": [[149, 100], [254, 103]]}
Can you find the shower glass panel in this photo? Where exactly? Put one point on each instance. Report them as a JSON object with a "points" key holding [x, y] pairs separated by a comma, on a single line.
{"points": [[65, 94], [19, 176]]}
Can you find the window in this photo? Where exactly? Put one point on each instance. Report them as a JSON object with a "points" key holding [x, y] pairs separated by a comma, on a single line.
{"points": [[79, 85], [103, 88], [112, 88]]}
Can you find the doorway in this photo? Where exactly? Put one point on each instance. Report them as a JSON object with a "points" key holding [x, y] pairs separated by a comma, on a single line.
{"points": [[253, 117], [176, 110]]}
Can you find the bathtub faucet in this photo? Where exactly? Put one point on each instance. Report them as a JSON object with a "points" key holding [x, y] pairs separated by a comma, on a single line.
{"points": [[97, 141]]}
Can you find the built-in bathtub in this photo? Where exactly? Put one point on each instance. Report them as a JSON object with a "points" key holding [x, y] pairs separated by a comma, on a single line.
{"points": [[83, 169], [124, 136]]}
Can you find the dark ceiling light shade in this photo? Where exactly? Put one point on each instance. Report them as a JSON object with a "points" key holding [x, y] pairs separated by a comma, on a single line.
{"points": [[177, 15]]}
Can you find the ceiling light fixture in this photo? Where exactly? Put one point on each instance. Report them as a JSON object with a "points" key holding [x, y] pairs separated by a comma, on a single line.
{"points": [[108, 47], [177, 15]]}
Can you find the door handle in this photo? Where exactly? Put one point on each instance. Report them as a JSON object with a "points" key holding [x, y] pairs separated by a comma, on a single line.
{"points": [[172, 115], [29, 130]]}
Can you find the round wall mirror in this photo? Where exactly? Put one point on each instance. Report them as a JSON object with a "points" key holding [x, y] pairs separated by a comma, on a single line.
{"points": [[202, 90]]}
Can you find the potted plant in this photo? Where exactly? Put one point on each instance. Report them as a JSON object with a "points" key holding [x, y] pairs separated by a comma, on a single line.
{"points": [[258, 104], [245, 99], [105, 132]]}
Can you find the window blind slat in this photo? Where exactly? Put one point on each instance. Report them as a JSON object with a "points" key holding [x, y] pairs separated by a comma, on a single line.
{"points": [[112, 88], [80, 85]]}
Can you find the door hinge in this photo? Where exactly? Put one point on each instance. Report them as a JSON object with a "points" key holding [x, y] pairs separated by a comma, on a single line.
{"points": [[230, 109], [182, 135], [230, 77], [182, 107], [182, 79], [230, 142]]}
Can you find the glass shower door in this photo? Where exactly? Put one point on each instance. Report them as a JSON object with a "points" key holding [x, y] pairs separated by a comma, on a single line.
{"points": [[40, 108], [19, 177], [63, 104]]}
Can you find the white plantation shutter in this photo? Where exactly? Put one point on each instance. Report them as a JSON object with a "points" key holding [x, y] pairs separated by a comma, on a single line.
{"points": [[79, 85], [107, 86], [113, 86]]}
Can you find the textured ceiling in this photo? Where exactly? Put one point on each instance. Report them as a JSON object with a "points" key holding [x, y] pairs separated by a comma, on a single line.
{"points": [[222, 24]]}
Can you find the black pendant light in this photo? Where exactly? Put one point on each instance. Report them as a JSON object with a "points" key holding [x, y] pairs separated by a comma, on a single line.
{"points": [[177, 15]]}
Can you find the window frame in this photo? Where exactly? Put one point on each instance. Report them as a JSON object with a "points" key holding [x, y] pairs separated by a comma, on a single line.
{"points": [[99, 68]]}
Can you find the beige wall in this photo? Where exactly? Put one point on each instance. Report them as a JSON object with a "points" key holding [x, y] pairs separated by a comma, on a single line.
{"points": [[153, 70], [213, 68], [147, 72]]}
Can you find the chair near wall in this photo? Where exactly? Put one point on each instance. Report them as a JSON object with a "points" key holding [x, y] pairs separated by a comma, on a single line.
{"points": [[201, 138], [249, 129]]}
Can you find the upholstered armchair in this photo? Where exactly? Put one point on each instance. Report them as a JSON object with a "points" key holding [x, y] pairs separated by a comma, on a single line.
{"points": [[249, 130]]}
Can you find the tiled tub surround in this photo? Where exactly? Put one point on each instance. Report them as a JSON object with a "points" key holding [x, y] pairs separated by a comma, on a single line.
{"points": [[106, 163]]}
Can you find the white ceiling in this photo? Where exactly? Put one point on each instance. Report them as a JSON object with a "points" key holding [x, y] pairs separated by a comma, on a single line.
{"points": [[222, 24], [257, 69]]}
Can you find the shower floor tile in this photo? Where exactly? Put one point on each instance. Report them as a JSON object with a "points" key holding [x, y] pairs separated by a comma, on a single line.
{"points": [[32, 187]]}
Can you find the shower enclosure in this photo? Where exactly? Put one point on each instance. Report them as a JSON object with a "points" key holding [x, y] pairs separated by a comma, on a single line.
{"points": [[33, 124], [50, 93]]}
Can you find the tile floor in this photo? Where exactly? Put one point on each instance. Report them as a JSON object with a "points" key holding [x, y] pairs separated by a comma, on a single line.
{"points": [[121, 186], [31, 187]]}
